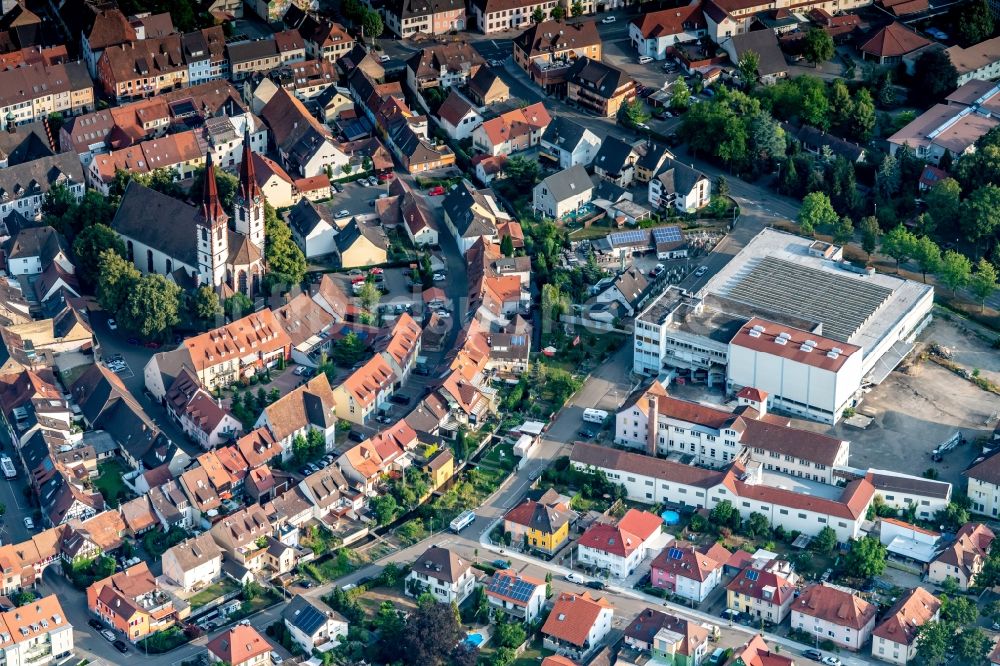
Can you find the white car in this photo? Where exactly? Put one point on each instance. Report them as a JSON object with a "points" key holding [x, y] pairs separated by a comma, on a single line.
{"points": [[645, 60], [384, 58], [29, 523], [701, 271], [112, 324], [440, 277], [109, 635], [343, 213], [574, 577], [832, 661], [608, 19]]}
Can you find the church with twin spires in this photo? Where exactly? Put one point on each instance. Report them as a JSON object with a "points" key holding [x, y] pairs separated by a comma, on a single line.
{"points": [[195, 245]]}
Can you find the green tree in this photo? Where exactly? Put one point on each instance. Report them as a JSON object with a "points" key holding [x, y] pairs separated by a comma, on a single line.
{"points": [[757, 525], [825, 541], [900, 244], [205, 303], [372, 25], [870, 234], [956, 270], [863, 119], [981, 213], [558, 13], [866, 558], [973, 645], [843, 230], [116, 279], [385, 508], [538, 15], [749, 66], [634, 113], [431, 632], [348, 350], [391, 626], [90, 245], [815, 109], [841, 106], [816, 213], [936, 75], [152, 306], [975, 24], [818, 46], [507, 245], [680, 95], [285, 260], [226, 183], [722, 513], [927, 255], [252, 590], [503, 656], [983, 282], [522, 173], [933, 641], [510, 634], [943, 201], [577, 8], [369, 295], [953, 516], [958, 610], [238, 305]]}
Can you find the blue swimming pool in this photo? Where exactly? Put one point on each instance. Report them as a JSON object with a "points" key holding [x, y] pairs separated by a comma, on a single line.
{"points": [[475, 639], [670, 517]]}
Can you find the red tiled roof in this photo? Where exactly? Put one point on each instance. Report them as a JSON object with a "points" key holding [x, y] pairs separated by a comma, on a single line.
{"points": [[894, 40], [572, 617], [901, 623], [835, 606]]}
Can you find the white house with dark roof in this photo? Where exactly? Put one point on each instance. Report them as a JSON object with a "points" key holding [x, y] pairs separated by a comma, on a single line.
{"points": [[313, 228], [569, 143], [23, 187], [679, 186], [313, 624], [519, 597], [563, 193], [442, 573], [458, 117]]}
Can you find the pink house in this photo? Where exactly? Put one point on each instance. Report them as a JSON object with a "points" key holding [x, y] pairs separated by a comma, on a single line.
{"points": [[689, 572]]}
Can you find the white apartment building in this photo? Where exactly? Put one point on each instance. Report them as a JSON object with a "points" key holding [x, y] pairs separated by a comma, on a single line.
{"points": [[716, 437], [902, 491], [619, 549], [36, 633], [793, 503], [492, 16], [442, 573], [835, 614], [984, 485]]}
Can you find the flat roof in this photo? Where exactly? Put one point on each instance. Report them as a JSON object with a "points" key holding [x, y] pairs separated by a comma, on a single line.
{"points": [[775, 271], [800, 486]]}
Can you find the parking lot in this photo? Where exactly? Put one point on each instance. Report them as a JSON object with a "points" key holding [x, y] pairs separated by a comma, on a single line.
{"points": [[118, 365]]}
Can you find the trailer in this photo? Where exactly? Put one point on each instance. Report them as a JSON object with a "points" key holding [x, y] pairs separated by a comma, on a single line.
{"points": [[937, 455]]}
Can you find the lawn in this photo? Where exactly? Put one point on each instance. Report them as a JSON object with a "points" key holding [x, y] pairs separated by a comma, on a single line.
{"points": [[339, 564], [213, 592], [110, 483], [494, 458], [164, 641], [532, 656]]}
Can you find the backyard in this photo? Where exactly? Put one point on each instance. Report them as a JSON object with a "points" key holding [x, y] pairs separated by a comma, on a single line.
{"points": [[212, 592], [110, 483]]}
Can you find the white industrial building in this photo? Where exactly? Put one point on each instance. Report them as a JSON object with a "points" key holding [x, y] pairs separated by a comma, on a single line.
{"points": [[787, 316]]}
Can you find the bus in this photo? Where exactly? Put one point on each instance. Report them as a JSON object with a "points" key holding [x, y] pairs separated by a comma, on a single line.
{"points": [[463, 520], [594, 415], [8, 467]]}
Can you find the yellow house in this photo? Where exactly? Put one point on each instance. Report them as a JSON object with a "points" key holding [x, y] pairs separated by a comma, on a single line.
{"points": [[362, 244], [440, 468], [541, 524]]}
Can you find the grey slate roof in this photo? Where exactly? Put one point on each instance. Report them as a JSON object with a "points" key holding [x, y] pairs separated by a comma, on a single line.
{"points": [[568, 183], [457, 206], [613, 155], [678, 178], [38, 176], [305, 216], [26, 143], [355, 230], [765, 44], [597, 77], [159, 221], [564, 133]]}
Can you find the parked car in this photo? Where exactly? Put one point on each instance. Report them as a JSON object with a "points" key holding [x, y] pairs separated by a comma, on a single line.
{"points": [[596, 585], [355, 436], [588, 434], [436, 191], [95, 624], [29, 523], [342, 213], [574, 577], [815, 655], [112, 324], [701, 271], [832, 661], [276, 658], [384, 58], [440, 277], [400, 399], [121, 646], [608, 19], [109, 635], [501, 563]]}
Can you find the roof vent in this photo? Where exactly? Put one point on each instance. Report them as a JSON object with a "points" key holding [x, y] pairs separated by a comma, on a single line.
{"points": [[780, 341], [754, 334], [758, 328]]}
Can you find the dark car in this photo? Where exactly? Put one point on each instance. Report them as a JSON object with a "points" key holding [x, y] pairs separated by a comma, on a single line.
{"points": [[400, 399], [96, 624], [355, 436], [587, 434], [595, 585], [121, 646], [501, 564], [815, 655]]}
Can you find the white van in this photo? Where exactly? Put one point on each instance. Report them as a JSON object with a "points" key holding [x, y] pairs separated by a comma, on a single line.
{"points": [[645, 60]]}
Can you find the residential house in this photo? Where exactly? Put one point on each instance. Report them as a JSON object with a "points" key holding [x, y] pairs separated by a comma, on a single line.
{"points": [[458, 117], [440, 468], [491, 16], [442, 573], [198, 413], [143, 68], [679, 186], [361, 243], [563, 193], [653, 157], [615, 161], [240, 646], [471, 214], [327, 490], [258, 448], [23, 187], [755, 652], [262, 55], [689, 571], [895, 638], [977, 62], [30, 401], [313, 228], [243, 536], [324, 40], [963, 559], [520, 598], [33, 250], [599, 88], [414, 151], [489, 167], [984, 485], [309, 326], [274, 183], [486, 88], [367, 387], [193, 564], [771, 64], [546, 51], [655, 33], [668, 638], [307, 408], [36, 633], [312, 624], [388, 451], [892, 43], [35, 91], [407, 18], [763, 591], [577, 624], [834, 614], [305, 146], [512, 131], [442, 65], [202, 493], [132, 602], [542, 524], [569, 143], [410, 210], [619, 549]]}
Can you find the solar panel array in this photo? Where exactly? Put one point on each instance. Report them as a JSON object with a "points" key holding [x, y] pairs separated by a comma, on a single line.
{"points": [[667, 235], [628, 237], [511, 587], [752, 574], [308, 619], [675, 553], [843, 304]]}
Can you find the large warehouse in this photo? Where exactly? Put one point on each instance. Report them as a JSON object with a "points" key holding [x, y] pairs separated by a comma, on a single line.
{"points": [[788, 316]]}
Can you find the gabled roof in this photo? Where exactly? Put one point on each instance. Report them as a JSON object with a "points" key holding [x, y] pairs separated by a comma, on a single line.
{"points": [[454, 108], [631, 532], [311, 404], [573, 615], [836, 606], [569, 183], [668, 22], [686, 561], [556, 37], [894, 40], [765, 44], [517, 123], [240, 644], [902, 622], [598, 78]]}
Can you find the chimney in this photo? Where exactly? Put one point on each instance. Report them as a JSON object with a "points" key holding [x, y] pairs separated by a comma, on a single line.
{"points": [[653, 423]]}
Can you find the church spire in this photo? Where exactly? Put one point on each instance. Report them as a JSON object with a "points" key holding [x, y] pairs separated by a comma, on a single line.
{"points": [[211, 207], [249, 191]]}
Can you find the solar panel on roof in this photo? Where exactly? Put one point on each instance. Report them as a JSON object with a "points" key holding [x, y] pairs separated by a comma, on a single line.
{"points": [[511, 587], [667, 235], [675, 553], [627, 237], [752, 574]]}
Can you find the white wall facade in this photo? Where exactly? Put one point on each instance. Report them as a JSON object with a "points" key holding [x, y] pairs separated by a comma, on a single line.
{"points": [[443, 591], [847, 637], [656, 47]]}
